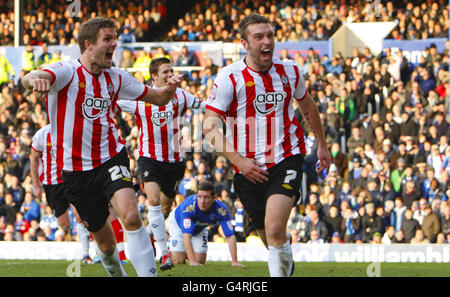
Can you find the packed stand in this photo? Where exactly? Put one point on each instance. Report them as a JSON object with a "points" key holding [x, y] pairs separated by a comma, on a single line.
{"points": [[297, 21]]}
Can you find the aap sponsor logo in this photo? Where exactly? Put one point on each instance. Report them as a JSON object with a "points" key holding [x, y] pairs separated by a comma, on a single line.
{"points": [[161, 118], [93, 108], [268, 102]]}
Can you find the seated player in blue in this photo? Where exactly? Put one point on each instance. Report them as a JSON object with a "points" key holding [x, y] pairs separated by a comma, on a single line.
{"points": [[188, 235]]}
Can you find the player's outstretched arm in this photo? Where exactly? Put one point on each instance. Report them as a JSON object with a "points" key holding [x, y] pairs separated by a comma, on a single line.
{"points": [[212, 128], [38, 81], [161, 96], [311, 115], [231, 240]]}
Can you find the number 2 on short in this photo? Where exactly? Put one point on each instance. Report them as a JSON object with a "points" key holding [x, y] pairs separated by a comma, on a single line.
{"points": [[290, 175], [119, 172]]}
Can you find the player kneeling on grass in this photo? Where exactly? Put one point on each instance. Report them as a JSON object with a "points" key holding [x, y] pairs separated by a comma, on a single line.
{"points": [[187, 227]]}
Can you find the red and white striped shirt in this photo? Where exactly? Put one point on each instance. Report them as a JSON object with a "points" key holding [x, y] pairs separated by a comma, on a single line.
{"points": [[42, 143], [259, 110], [160, 126], [81, 110]]}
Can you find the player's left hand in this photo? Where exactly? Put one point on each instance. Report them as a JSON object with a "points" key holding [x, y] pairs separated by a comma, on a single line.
{"points": [[324, 159], [174, 81]]}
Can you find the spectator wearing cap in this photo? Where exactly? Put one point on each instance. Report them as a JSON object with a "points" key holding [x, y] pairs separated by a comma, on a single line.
{"points": [[376, 238], [336, 238], [355, 172], [431, 224]]}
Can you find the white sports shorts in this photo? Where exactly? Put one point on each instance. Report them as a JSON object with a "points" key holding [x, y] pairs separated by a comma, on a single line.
{"points": [[199, 241]]}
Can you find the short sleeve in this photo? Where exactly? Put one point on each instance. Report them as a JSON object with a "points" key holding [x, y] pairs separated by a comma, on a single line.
{"points": [[127, 105], [222, 93], [131, 88], [62, 74], [300, 88], [37, 143]]}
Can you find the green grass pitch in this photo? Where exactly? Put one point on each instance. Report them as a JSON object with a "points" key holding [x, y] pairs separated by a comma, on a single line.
{"points": [[57, 268]]}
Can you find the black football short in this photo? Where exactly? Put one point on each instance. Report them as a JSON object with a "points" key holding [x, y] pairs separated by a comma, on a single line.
{"points": [[284, 178], [165, 174], [56, 198], [90, 191]]}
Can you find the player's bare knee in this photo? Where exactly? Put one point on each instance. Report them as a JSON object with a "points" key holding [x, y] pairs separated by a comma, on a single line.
{"points": [[153, 201], [132, 221], [275, 232], [107, 247]]}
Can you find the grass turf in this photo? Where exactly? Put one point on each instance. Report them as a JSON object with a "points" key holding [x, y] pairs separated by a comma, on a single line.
{"points": [[57, 268]]}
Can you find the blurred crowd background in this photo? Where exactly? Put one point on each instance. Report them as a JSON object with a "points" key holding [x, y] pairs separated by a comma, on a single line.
{"points": [[386, 120]]}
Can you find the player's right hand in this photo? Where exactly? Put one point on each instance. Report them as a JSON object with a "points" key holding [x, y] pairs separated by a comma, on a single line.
{"points": [[252, 170], [37, 191], [41, 85]]}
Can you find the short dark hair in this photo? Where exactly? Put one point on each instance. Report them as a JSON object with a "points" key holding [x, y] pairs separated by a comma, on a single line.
{"points": [[207, 186], [155, 63], [89, 30], [252, 18]]}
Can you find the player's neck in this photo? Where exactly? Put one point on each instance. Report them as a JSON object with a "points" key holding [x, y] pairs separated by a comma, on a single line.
{"points": [[90, 65], [256, 67]]}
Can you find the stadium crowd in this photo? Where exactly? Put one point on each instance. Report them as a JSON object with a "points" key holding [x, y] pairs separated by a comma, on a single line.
{"points": [[386, 120]]}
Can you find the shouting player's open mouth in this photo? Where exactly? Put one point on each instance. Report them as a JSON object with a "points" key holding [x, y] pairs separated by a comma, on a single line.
{"points": [[108, 56], [266, 54]]}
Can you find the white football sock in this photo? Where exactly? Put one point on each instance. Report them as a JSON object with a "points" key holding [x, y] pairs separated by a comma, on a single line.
{"points": [[280, 260], [141, 252], [157, 223], [111, 263], [83, 235]]}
